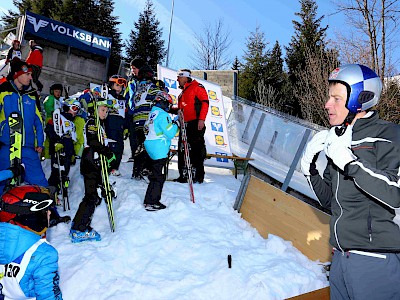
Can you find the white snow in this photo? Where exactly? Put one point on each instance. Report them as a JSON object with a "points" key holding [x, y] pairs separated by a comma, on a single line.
{"points": [[180, 252]]}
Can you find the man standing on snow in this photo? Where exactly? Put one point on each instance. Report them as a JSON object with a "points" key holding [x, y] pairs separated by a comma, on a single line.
{"points": [[35, 59], [361, 186], [193, 101]]}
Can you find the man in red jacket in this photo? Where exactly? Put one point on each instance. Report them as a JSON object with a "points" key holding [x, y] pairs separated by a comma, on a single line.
{"points": [[35, 59], [193, 101]]}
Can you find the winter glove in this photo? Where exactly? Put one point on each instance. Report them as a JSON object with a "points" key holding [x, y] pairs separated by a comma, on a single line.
{"points": [[73, 160], [110, 160], [313, 148], [126, 134], [58, 147], [338, 148]]}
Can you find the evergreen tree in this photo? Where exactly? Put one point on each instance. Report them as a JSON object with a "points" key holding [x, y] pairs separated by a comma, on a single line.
{"points": [[10, 19], [145, 41], [255, 65], [309, 38], [236, 64]]}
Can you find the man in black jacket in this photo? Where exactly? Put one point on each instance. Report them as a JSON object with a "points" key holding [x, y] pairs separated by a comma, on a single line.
{"points": [[361, 186]]}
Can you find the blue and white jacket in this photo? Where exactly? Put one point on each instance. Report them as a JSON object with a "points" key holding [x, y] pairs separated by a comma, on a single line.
{"points": [[161, 130], [40, 279], [24, 102]]}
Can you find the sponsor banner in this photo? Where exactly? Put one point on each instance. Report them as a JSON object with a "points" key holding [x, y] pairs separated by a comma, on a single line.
{"points": [[216, 136], [66, 34]]}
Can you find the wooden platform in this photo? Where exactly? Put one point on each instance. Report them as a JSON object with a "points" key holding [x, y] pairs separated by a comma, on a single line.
{"points": [[272, 211]]}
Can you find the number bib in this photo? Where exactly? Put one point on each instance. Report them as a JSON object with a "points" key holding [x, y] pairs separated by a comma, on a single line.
{"points": [[12, 273]]}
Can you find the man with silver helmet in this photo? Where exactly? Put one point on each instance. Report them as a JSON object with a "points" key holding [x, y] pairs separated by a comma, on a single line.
{"points": [[361, 186]]}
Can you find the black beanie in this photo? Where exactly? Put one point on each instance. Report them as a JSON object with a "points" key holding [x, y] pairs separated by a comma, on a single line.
{"points": [[137, 62]]}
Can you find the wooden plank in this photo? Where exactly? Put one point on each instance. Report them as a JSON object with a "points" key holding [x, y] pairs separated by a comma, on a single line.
{"points": [[271, 210], [321, 294]]}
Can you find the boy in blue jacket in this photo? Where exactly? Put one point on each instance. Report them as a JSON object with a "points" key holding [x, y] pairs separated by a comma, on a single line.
{"points": [[28, 264], [160, 130]]}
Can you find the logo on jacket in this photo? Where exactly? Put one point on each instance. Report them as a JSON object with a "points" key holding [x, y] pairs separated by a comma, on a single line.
{"points": [[219, 140], [37, 25], [215, 111], [170, 83], [215, 126]]}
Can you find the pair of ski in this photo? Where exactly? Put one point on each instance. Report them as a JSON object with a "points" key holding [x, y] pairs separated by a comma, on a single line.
{"points": [[188, 165], [107, 189], [64, 181]]}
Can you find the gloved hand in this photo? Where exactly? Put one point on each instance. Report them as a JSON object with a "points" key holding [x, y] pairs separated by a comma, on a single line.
{"points": [[176, 121], [313, 148], [58, 147], [110, 160], [73, 160], [18, 171], [126, 134], [338, 148]]}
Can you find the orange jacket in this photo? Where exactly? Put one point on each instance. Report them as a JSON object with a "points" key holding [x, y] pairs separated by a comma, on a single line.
{"points": [[35, 57], [193, 101]]}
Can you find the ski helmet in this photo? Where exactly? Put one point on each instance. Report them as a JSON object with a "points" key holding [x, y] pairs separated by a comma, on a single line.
{"points": [[163, 100], [26, 206], [118, 79], [363, 85], [73, 104], [56, 86]]}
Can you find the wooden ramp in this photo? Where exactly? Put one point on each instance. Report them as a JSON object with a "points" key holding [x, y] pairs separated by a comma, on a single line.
{"points": [[271, 210]]}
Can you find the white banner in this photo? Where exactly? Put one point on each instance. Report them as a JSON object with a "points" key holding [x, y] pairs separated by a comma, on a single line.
{"points": [[216, 136]]}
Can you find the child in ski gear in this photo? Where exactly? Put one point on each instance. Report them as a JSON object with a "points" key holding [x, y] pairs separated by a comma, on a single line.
{"points": [[17, 96], [143, 100], [129, 94], [193, 102], [61, 133], [28, 263], [160, 130], [91, 171], [35, 59], [14, 51], [115, 121], [50, 104], [360, 185]]}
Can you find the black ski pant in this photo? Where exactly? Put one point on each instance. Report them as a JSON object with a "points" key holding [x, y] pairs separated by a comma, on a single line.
{"points": [[115, 131], [132, 135], [157, 179], [141, 160], [86, 209], [197, 151], [65, 165], [36, 70]]}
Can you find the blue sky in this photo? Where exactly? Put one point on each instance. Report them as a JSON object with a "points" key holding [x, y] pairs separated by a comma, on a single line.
{"points": [[240, 17]]}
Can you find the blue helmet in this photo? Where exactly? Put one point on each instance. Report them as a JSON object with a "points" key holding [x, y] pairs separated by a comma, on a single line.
{"points": [[363, 85]]}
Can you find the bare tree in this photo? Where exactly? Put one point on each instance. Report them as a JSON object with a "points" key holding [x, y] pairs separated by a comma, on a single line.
{"points": [[375, 22], [312, 88], [211, 46]]}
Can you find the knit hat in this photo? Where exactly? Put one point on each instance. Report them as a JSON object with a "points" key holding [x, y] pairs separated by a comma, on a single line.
{"points": [[137, 62], [19, 67]]}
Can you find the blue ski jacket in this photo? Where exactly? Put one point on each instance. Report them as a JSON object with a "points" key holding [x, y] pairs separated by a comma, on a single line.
{"points": [[161, 131], [41, 279], [24, 102]]}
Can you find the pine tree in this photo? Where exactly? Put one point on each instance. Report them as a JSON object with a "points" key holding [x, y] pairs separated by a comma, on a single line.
{"points": [[309, 37], [255, 65], [236, 64], [10, 19], [145, 41]]}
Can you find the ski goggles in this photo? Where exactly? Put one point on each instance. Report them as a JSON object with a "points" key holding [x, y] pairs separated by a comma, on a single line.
{"points": [[75, 108], [106, 102], [120, 81]]}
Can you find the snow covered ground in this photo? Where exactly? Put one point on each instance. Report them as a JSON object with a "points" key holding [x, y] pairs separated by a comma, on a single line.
{"points": [[180, 252]]}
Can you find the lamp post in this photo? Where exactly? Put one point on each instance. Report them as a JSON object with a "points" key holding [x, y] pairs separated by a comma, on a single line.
{"points": [[169, 35]]}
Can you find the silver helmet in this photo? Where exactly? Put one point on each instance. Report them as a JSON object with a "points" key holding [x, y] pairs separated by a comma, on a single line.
{"points": [[363, 85]]}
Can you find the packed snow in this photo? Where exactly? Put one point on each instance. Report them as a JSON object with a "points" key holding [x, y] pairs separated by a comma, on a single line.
{"points": [[180, 252]]}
